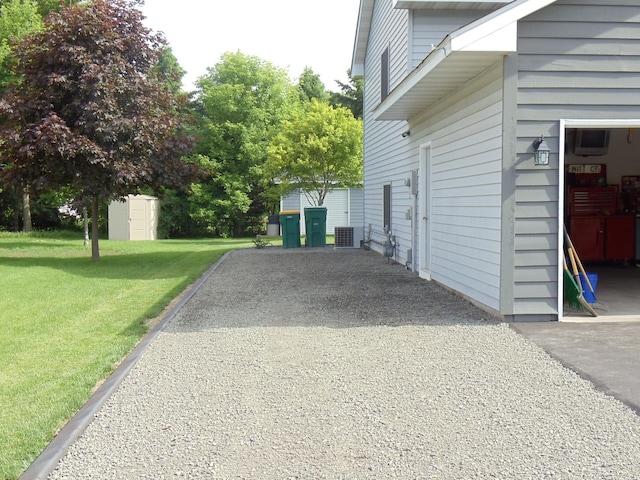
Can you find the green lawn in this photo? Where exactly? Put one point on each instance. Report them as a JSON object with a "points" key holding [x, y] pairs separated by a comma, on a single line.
{"points": [[66, 322]]}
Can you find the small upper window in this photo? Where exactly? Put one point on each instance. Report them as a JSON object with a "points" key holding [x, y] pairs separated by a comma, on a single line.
{"points": [[384, 74]]}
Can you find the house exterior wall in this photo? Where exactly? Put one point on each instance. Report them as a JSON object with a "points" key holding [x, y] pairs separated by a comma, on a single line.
{"points": [[576, 60], [465, 135], [494, 215], [386, 152], [430, 27], [465, 132]]}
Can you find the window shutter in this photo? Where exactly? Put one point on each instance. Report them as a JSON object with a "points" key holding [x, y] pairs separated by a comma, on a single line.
{"points": [[384, 74]]}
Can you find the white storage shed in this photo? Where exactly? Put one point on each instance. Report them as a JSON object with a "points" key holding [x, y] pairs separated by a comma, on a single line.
{"points": [[135, 218]]}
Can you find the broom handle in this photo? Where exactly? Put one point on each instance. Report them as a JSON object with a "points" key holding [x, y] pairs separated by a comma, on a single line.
{"points": [[577, 259], [574, 267], [581, 267]]}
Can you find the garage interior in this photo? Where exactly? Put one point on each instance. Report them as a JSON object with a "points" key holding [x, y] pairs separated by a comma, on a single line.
{"points": [[602, 216]]}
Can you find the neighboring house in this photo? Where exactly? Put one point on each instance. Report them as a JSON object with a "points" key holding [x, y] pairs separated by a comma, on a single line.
{"points": [[456, 95], [344, 208]]}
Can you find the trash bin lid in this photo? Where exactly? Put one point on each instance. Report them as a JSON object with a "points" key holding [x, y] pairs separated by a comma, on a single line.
{"points": [[290, 212]]}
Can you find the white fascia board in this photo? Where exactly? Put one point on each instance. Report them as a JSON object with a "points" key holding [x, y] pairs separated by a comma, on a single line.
{"points": [[602, 123], [363, 28], [497, 31], [505, 39]]}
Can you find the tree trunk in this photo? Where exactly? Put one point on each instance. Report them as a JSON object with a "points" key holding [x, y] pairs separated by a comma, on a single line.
{"points": [[95, 248], [26, 211], [85, 221]]}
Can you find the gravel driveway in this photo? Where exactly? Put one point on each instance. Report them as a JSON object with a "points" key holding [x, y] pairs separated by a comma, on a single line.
{"points": [[322, 363]]}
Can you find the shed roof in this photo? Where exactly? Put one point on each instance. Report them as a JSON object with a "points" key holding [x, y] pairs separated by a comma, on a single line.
{"points": [[462, 54]]}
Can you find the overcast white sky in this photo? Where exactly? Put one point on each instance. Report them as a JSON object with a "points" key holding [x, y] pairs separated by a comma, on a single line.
{"points": [[291, 34]]}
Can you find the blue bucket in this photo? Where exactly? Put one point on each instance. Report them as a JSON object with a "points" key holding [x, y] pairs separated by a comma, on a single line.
{"points": [[586, 291]]}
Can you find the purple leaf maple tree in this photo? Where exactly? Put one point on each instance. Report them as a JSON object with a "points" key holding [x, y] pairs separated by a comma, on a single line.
{"points": [[91, 111]]}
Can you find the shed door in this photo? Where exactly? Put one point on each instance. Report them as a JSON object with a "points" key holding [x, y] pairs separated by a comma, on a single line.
{"points": [[138, 218]]}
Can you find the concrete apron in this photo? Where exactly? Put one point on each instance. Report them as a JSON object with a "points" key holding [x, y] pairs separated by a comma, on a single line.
{"points": [[607, 353]]}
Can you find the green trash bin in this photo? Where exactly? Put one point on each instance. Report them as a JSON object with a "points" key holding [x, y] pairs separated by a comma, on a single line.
{"points": [[315, 221], [290, 226]]}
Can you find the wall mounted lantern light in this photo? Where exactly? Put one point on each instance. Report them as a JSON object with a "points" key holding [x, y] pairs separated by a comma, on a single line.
{"points": [[542, 150]]}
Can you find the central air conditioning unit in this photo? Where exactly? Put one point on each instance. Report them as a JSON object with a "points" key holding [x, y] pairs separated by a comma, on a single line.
{"points": [[348, 237]]}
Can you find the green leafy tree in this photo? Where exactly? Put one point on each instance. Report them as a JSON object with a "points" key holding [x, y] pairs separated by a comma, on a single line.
{"points": [[17, 19], [351, 95], [311, 86], [241, 102], [170, 69], [318, 149], [92, 111], [45, 7]]}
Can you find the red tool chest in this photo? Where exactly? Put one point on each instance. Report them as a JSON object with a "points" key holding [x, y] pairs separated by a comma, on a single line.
{"points": [[597, 231]]}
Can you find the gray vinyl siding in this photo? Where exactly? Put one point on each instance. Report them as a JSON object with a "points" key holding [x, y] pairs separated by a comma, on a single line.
{"points": [[467, 137], [385, 151], [577, 59], [430, 27], [495, 217], [290, 202], [356, 207], [465, 132]]}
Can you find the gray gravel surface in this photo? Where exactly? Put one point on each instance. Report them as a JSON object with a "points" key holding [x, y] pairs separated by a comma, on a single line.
{"points": [[322, 363]]}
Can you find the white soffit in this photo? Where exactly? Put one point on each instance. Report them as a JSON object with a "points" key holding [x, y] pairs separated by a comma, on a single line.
{"points": [[432, 81]]}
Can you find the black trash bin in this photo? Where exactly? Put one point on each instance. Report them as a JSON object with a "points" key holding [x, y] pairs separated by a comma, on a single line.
{"points": [[315, 222], [290, 223], [273, 225]]}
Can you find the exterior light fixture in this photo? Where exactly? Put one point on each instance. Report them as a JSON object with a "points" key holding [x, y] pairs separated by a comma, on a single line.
{"points": [[542, 150]]}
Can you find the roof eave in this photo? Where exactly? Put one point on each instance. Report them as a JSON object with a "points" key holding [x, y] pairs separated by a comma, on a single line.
{"points": [[361, 40], [461, 56], [449, 66]]}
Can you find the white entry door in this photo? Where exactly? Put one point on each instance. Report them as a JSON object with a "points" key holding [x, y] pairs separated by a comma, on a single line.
{"points": [[424, 212]]}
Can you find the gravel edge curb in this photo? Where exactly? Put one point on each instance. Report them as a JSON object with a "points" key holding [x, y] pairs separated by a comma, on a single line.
{"points": [[48, 460]]}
